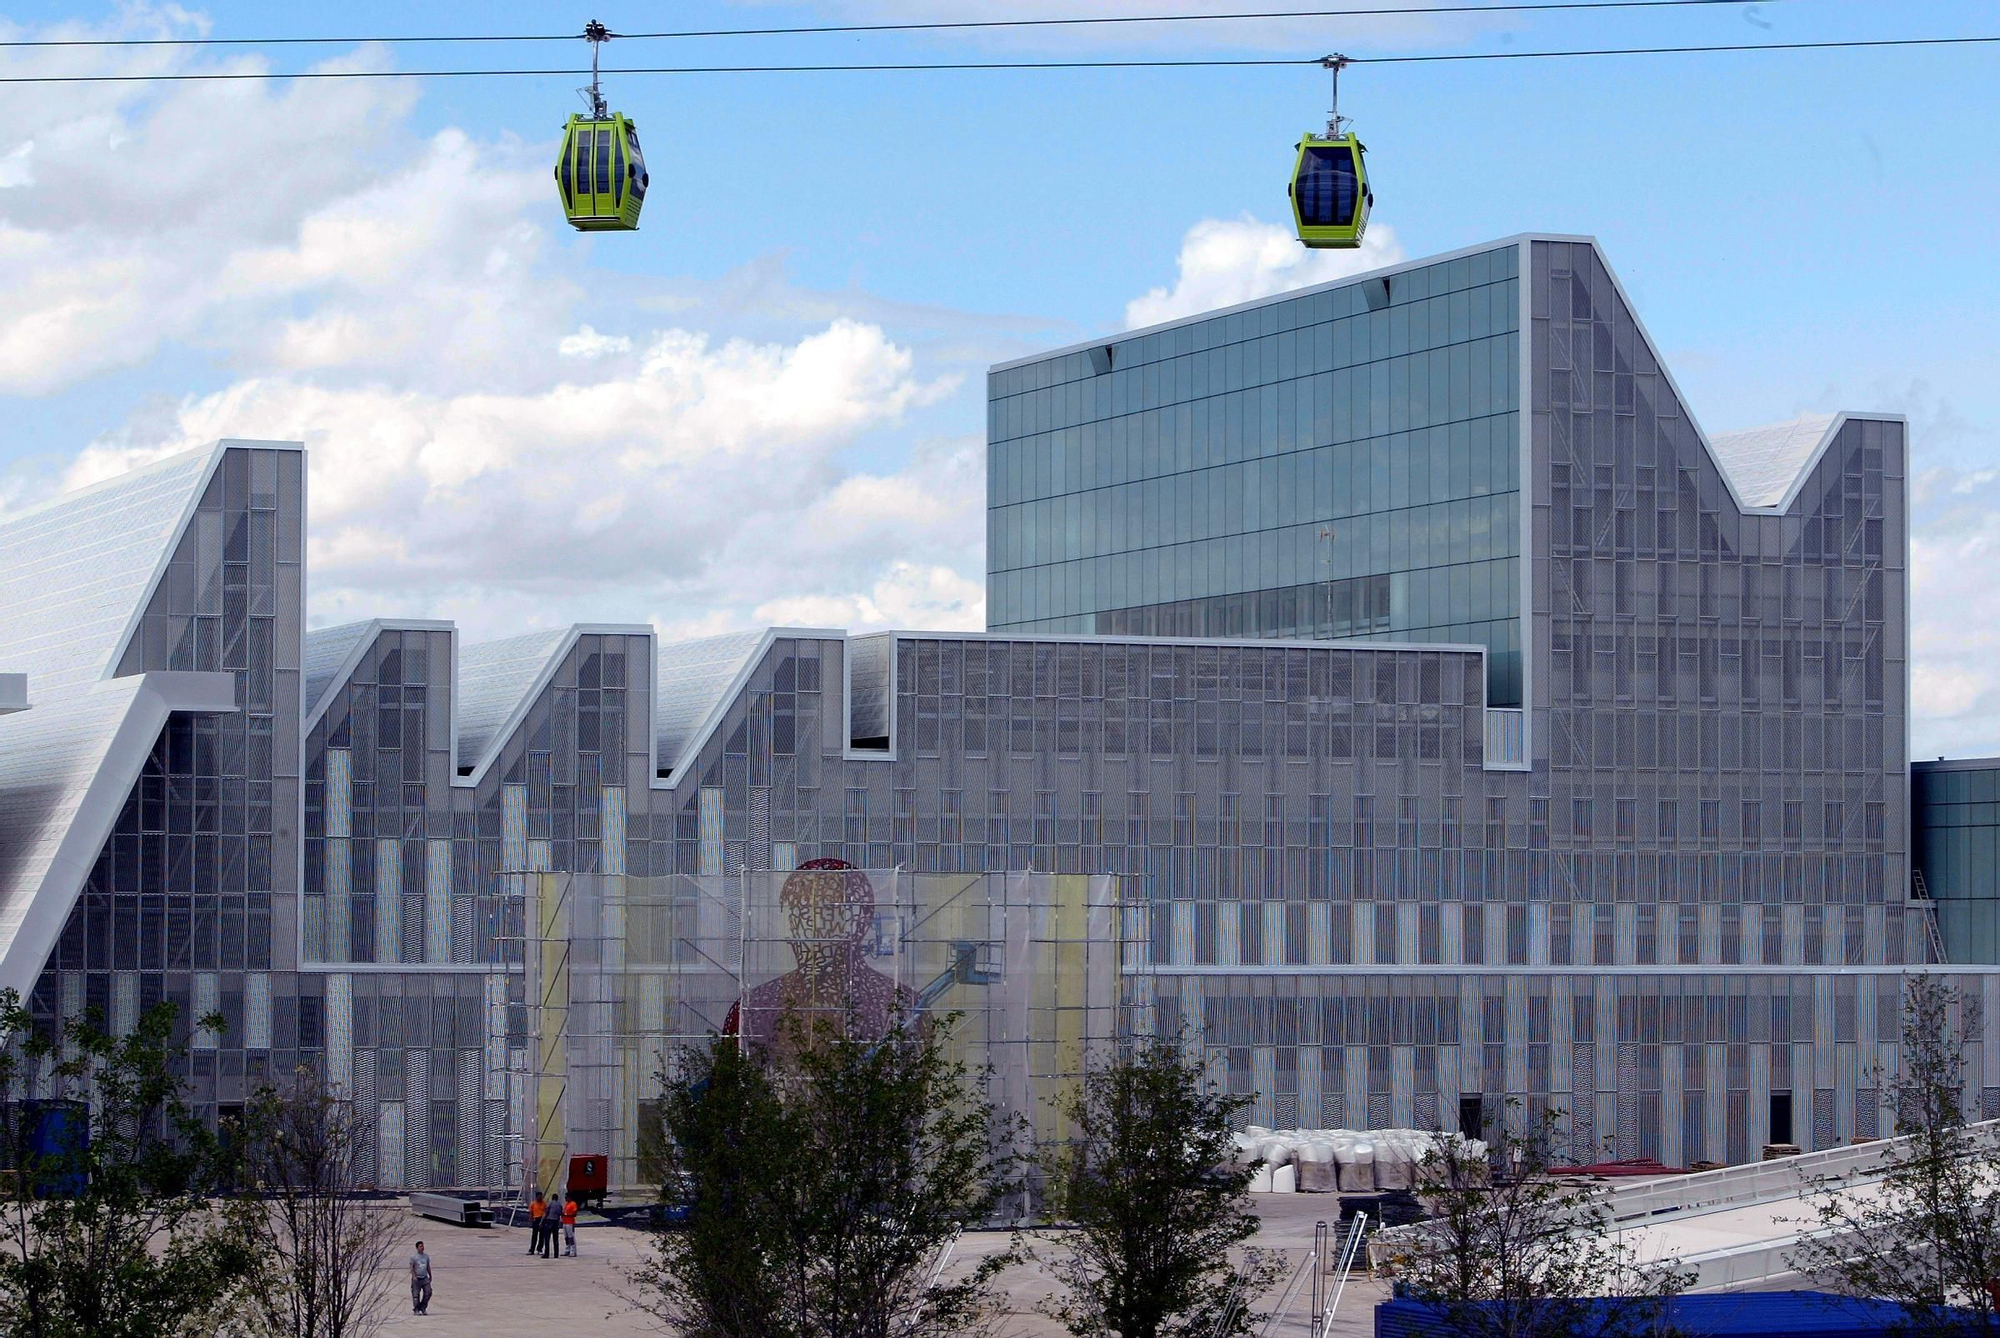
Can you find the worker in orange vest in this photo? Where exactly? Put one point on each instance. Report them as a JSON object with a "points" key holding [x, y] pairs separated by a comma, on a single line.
{"points": [[535, 1211], [569, 1224]]}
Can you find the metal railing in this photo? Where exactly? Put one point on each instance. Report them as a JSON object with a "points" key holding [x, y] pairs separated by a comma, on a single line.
{"points": [[1290, 1296], [1761, 1181], [1662, 1202], [1348, 1253]]}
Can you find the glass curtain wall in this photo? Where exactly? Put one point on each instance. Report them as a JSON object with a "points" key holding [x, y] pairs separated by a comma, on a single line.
{"points": [[1343, 463]]}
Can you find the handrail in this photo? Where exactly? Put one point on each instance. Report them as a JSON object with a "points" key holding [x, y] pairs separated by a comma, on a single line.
{"points": [[1347, 1256], [1726, 1189], [1231, 1304], [1761, 1182], [1290, 1296], [944, 1257]]}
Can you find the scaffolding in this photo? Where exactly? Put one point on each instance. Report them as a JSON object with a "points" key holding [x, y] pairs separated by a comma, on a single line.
{"points": [[1039, 973]]}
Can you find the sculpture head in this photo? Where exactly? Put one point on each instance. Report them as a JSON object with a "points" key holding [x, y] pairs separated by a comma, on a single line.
{"points": [[830, 907]]}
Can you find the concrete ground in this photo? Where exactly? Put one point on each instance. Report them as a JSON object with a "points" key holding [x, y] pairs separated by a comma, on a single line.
{"points": [[488, 1284]]}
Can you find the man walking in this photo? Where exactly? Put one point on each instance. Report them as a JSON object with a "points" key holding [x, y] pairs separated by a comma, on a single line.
{"points": [[420, 1282], [569, 1225]]}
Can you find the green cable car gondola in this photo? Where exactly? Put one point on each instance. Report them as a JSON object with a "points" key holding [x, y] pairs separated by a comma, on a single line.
{"points": [[601, 174], [1329, 188]]}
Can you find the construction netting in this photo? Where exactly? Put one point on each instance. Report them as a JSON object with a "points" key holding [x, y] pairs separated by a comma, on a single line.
{"points": [[1024, 974]]}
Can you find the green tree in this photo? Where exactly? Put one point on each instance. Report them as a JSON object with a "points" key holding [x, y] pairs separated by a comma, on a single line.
{"points": [[1920, 1225], [116, 1235], [1512, 1251], [823, 1179], [721, 1124], [1150, 1181], [324, 1251]]}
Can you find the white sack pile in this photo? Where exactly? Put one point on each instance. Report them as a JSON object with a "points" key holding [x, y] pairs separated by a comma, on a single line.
{"points": [[1328, 1161]]}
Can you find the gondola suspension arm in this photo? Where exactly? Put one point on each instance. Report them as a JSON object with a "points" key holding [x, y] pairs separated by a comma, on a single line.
{"points": [[1334, 64], [597, 35]]}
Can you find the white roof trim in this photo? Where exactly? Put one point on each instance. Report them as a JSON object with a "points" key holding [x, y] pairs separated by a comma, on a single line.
{"points": [[372, 631], [699, 737], [156, 697], [522, 705], [216, 450], [1226, 643]]}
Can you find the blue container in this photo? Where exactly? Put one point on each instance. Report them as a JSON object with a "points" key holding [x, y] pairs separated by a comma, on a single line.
{"points": [[1731, 1315], [58, 1139]]}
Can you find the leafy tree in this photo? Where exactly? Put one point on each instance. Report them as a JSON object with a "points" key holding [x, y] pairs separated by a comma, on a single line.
{"points": [[1519, 1253], [113, 1236], [324, 1252], [822, 1180], [722, 1122], [1919, 1226], [1151, 1183]]}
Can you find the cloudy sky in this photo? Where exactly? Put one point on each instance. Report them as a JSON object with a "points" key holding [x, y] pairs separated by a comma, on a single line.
{"points": [[767, 404]]}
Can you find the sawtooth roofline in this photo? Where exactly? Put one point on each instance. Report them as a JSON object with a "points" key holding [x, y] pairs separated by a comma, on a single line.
{"points": [[469, 774]]}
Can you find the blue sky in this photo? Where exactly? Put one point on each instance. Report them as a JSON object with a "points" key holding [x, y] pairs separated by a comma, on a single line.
{"points": [[844, 253]]}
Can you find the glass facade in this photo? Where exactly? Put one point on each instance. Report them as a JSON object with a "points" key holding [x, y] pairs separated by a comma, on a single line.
{"points": [[193, 899], [1340, 463], [1955, 812], [418, 875]]}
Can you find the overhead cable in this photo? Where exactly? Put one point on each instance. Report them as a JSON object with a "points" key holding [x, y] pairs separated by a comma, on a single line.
{"points": [[914, 66], [946, 25]]}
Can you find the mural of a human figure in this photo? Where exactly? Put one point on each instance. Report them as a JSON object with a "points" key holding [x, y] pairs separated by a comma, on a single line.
{"points": [[829, 910]]}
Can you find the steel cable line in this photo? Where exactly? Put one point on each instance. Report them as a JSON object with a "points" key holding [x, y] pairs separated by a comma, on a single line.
{"points": [[950, 25], [905, 67]]}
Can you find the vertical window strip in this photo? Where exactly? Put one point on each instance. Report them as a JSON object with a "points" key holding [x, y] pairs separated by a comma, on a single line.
{"points": [[437, 901], [388, 900], [339, 792]]}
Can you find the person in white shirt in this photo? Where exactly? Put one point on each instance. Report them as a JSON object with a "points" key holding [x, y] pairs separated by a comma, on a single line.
{"points": [[420, 1281]]}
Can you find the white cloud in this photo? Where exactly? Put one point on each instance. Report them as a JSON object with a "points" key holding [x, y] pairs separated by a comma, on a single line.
{"points": [[17, 166], [1955, 614], [588, 343], [1226, 261], [477, 450], [707, 477], [910, 595]]}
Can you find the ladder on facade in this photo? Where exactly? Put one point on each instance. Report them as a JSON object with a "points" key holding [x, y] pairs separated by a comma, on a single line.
{"points": [[1920, 894]]}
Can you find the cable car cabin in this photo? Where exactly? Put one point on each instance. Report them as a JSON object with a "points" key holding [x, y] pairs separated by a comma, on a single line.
{"points": [[1329, 190], [601, 174]]}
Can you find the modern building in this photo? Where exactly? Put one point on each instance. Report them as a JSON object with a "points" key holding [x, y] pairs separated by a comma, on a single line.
{"points": [[1687, 883], [1391, 689], [1955, 853]]}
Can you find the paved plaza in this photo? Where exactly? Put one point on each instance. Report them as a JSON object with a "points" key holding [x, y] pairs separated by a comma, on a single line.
{"points": [[488, 1284]]}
